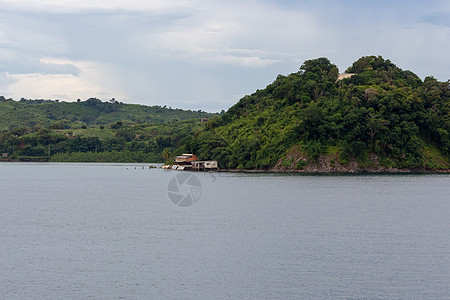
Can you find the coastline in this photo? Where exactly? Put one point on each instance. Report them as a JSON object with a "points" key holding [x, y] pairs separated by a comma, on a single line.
{"points": [[280, 170], [356, 172]]}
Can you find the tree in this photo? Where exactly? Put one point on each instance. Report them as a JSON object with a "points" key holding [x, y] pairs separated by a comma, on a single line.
{"points": [[126, 134], [375, 124], [322, 67], [167, 155], [117, 125]]}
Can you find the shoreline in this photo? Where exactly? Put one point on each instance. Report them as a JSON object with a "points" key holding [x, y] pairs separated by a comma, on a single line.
{"points": [[318, 171], [355, 172]]}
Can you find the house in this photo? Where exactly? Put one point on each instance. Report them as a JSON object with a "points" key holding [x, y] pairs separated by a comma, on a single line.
{"points": [[191, 162], [4, 155], [185, 159], [208, 165], [203, 120]]}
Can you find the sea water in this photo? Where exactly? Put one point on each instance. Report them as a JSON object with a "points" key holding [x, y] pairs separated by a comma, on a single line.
{"points": [[114, 231]]}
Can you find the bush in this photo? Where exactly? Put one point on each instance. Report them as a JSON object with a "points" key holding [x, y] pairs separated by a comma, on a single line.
{"points": [[301, 164]]}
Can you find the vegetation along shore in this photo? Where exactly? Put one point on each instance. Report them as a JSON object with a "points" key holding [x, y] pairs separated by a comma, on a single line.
{"points": [[374, 117]]}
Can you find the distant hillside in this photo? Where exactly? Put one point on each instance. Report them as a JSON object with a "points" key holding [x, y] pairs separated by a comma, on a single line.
{"points": [[115, 142], [382, 118], [29, 113]]}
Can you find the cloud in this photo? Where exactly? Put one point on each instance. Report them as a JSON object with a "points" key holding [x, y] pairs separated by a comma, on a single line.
{"points": [[91, 79], [30, 34], [82, 6], [244, 60], [59, 66], [229, 34], [204, 54], [441, 18], [5, 81], [407, 41]]}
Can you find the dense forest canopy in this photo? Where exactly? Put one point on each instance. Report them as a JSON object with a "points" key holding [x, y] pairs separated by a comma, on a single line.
{"points": [[92, 130], [116, 142], [381, 110], [29, 113]]}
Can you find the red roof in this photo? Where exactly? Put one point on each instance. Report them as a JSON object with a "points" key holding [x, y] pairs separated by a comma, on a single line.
{"points": [[186, 158]]}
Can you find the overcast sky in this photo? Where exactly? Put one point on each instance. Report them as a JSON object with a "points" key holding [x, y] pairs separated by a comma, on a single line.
{"points": [[196, 54]]}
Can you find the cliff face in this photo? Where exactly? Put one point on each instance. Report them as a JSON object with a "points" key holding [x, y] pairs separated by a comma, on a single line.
{"points": [[298, 161]]}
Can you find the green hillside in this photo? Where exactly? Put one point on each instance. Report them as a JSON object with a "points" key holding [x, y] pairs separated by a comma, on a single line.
{"points": [[116, 142], [381, 118], [93, 131], [29, 113]]}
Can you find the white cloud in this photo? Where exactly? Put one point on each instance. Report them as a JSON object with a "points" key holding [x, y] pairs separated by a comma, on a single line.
{"points": [[235, 33], [194, 53], [94, 80], [31, 35], [246, 61], [80, 6]]}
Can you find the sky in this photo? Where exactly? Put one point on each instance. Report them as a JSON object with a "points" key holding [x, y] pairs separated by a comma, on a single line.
{"points": [[204, 55]]}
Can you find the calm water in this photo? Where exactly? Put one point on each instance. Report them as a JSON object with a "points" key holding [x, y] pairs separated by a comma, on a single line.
{"points": [[110, 232]]}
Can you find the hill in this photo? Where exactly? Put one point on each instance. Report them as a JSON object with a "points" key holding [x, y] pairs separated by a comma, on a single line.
{"points": [[93, 131], [116, 142], [378, 118], [63, 115]]}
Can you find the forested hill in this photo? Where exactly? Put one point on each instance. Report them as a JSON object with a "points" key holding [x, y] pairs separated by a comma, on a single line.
{"points": [[28, 113], [380, 118]]}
